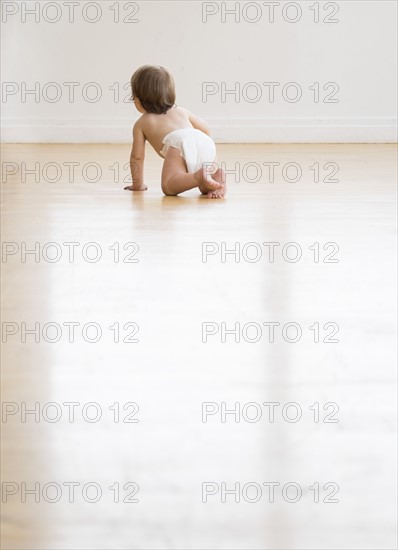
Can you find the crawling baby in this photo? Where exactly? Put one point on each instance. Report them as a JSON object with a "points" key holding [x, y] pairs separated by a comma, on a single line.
{"points": [[177, 135]]}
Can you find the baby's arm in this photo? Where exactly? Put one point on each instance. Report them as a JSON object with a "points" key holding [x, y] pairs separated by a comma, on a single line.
{"points": [[137, 160], [199, 123]]}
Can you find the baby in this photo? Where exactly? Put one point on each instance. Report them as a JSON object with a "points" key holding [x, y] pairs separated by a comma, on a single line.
{"points": [[177, 135]]}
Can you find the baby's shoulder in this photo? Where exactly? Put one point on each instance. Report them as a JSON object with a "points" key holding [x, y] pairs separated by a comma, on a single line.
{"points": [[143, 121], [181, 110], [180, 114], [139, 127]]}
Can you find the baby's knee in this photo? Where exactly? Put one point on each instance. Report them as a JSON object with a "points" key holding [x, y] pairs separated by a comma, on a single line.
{"points": [[167, 190]]}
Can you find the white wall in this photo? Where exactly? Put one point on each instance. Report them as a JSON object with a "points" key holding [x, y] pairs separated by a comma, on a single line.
{"points": [[358, 53]]}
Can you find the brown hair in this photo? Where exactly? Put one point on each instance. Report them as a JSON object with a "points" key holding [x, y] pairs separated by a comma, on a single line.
{"points": [[154, 87]]}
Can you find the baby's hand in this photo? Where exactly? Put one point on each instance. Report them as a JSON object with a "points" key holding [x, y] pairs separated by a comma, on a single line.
{"points": [[132, 188]]}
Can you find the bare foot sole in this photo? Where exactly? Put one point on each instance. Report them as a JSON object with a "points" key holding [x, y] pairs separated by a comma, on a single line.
{"points": [[206, 182], [212, 186], [220, 193]]}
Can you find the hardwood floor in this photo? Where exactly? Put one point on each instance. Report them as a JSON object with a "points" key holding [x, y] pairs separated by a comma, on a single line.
{"points": [[156, 338]]}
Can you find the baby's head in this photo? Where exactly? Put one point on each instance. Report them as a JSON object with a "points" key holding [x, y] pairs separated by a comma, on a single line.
{"points": [[154, 87]]}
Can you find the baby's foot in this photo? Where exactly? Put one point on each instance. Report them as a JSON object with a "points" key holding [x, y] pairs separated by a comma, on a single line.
{"points": [[220, 193], [217, 194], [206, 183]]}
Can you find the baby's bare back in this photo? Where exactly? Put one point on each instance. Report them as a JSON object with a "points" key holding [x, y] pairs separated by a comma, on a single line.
{"points": [[156, 127]]}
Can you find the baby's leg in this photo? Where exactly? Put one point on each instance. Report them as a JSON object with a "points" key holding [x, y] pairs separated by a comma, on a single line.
{"points": [[176, 179]]}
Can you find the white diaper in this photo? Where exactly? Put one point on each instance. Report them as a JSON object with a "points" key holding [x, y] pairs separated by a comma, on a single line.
{"points": [[195, 147]]}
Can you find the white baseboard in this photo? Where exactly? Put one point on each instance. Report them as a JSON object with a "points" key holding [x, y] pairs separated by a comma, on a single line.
{"points": [[267, 130]]}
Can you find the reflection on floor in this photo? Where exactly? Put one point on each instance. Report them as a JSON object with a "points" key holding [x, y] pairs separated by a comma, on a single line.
{"points": [[193, 374]]}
